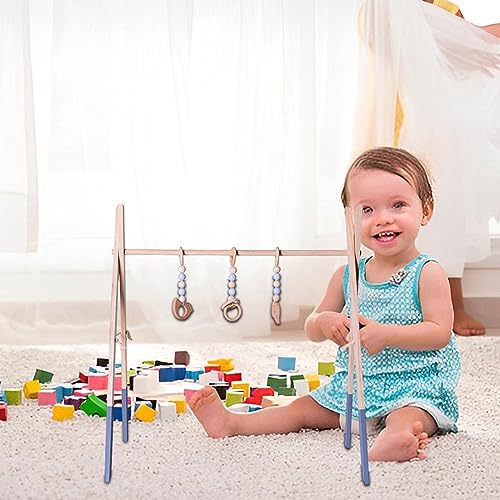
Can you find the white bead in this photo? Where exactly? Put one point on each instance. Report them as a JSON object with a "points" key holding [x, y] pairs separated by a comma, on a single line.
{"points": [[276, 283], [181, 269], [276, 269], [276, 298], [231, 284], [181, 284], [232, 270], [182, 298]]}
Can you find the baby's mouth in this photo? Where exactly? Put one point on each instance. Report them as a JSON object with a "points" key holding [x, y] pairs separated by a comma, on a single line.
{"points": [[386, 236]]}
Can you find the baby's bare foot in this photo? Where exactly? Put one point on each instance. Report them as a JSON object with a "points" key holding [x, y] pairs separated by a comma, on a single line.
{"points": [[209, 410], [400, 445], [465, 325]]}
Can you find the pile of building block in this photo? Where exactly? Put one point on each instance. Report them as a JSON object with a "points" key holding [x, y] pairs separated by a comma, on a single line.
{"points": [[160, 390]]}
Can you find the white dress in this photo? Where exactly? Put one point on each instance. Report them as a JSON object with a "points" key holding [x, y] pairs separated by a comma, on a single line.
{"points": [[441, 73]]}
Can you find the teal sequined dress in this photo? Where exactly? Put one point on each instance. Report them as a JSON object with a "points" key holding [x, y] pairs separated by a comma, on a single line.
{"points": [[394, 377]]}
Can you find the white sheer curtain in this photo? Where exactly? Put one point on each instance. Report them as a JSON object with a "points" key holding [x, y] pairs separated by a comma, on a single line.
{"points": [[217, 123], [18, 189], [445, 74]]}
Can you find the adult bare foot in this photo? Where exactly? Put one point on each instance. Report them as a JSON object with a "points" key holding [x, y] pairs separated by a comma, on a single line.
{"points": [[400, 445], [210, 412], [467, 326]]}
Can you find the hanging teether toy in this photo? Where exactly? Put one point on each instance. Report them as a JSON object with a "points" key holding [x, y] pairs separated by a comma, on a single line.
{"points": [[181, 308], [275, 305], [232, 303]]}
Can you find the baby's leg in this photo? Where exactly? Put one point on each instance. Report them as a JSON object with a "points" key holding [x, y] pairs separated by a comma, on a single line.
{"points": [[405, 436], [302, 413]]}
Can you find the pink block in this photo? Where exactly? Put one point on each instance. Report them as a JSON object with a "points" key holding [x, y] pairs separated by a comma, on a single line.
{"points": [[47, 398], [97, 381], [188, 393], [118, 382]]}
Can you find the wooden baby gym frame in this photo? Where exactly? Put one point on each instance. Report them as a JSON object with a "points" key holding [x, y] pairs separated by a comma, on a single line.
{"points": [[119, 308]]}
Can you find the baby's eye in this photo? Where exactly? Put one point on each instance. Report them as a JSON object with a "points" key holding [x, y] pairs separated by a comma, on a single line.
{"points": [[367, 210], [399, 204]]}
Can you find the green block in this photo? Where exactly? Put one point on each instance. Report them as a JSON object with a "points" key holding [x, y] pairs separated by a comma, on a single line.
{"points": [[286, 391], [148, 362], [94, 406], [234, 396], [326, 368], [293, 378], [276, 381], [43, 376], [14, 396]]}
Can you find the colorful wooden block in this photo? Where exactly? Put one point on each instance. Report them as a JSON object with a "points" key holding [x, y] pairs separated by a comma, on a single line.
{"points": [[97, 381], [294, 377], [62, 412], [234, 396], [4, 413], [194, 373], [245, 386], [145, 414], [221, 388], [179, 372], [118, 412], [94, 406], [182, 358], [232, 377], [74, 401], [31, 388], [168, 411], [257, 393], [301, 387], [43, 376], [313, 380], [206, 378], [276, 380], [180, 403], [286, 363], [225, 364], [212, 368], [47, 397], [239, 408], [286, 391], [14, 396], [67, 389], [277, 400], [166, 374], [326, 368], [104, 362]]}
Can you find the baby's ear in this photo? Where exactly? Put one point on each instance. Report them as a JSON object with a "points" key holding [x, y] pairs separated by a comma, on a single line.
{"points": [[427, 211]]}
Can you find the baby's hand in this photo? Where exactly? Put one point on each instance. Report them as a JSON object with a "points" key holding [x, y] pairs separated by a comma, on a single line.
{"points": [[371, 335], [334, 326]]}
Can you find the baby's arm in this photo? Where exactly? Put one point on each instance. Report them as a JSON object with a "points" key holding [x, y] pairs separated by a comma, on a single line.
{"points": [[326, 321], [433, 332]]}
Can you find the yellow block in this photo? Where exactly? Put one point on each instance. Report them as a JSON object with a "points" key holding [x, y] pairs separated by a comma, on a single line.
{"points": [[62, 412], [145, 414], [312, 380], [245, 386], [31, 388], [226, 364], [180, 403]]}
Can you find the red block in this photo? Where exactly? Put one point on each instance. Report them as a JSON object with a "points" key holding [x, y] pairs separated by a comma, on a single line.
{"points": [[84, 378], [257, 393], [3, 412], [232, 377], [212, 368]]}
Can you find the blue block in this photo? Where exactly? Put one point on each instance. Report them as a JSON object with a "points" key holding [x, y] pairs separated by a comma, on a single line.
{"points": [[166, 374], [194, 374], [179, 372], [59, 392], [252, 408], [117, 412], [67, 389], [286, 363]]}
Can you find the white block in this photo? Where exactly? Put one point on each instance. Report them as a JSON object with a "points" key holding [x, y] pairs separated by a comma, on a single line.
{"points": [[167, 411], [206, 378], [145, 382], [239, 408], [301, 387]]}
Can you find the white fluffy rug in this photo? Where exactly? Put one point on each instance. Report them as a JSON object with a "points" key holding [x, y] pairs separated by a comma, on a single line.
{"points": [[44, 459]]}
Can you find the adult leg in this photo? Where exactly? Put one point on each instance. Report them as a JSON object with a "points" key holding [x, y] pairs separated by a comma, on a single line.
{"points": [[494, 29], [405, 436], [302, 413], [463, 323]]}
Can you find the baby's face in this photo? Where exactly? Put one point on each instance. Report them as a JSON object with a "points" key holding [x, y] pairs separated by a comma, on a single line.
{"points": [[391, 211]]}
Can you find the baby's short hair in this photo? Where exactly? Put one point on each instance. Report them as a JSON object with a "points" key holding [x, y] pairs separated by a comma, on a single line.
{"points": [[396, 161]]}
